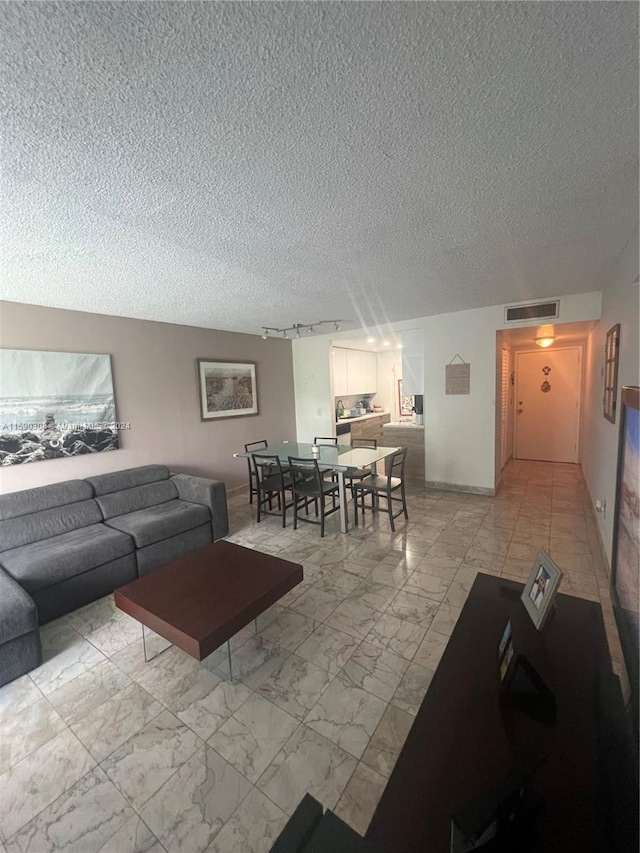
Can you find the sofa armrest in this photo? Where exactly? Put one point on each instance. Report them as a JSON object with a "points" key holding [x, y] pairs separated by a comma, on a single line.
{"points": [[209, 493]]}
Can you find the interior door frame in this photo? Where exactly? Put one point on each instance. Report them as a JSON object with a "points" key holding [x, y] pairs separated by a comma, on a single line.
{"points": [[517, 353]]}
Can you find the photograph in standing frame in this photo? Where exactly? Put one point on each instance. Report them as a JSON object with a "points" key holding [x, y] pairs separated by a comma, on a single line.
{"points": [[540, 589]]}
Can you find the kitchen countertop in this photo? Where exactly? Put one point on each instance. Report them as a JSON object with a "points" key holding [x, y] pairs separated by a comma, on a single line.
{"points": [[361, 417], [402, 425]]}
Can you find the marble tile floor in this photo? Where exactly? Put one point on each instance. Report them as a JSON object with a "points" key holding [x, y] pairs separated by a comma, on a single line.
{"points": [[100, 751]]}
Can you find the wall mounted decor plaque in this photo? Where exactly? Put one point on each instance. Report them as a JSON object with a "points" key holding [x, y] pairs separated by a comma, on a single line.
{"points": [[457, 377]]}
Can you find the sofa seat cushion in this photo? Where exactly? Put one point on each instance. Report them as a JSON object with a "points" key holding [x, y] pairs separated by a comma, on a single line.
{"points": [[49, 561], [18, 614], [156, 523]]}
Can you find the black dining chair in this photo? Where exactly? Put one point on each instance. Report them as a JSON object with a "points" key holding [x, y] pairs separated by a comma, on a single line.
{"points": [[360, 473], [328, 441], [384, 486], [331, 440], [274, 481], [252, 447], [310, 487]]}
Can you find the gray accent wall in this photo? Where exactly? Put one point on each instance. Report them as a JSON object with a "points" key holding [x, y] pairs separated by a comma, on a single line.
{"points": [[156, 390]]}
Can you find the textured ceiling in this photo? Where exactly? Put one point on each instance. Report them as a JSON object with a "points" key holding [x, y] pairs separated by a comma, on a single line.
{"points": [[238, 164]]}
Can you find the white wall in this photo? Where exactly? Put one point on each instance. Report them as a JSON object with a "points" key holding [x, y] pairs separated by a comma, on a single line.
{"points": [[312, 384], [599, 459], [460, 429]]}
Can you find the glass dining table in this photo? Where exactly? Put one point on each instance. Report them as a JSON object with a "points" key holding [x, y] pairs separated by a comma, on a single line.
{"points": [[341, 458]]}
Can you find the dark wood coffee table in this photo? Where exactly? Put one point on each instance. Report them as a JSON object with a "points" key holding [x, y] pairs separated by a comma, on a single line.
{"points": [[201, 600]]}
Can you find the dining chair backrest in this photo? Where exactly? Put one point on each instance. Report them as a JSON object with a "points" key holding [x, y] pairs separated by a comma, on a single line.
{"points": [[255, 445], [267, 466], [253, 474], [252, 447], [394, 464], [305, 471], [365, 442], [332, 439]]}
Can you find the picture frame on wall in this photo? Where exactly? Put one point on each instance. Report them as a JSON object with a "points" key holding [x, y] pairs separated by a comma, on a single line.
{"points": [[227, 389], [540, 589], [405, 402], [611, 353], [56, 405], [625, 556]]}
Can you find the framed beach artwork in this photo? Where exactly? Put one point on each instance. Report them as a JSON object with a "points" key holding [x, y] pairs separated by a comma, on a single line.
{"points": [[54, 405], [227, 389], [625, 557]]}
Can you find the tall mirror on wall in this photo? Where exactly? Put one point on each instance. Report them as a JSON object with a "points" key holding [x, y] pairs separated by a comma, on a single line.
{"points": [[611, 349]]}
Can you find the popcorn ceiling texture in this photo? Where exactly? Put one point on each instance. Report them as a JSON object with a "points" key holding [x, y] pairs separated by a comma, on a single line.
{"points": [[236, 164]]}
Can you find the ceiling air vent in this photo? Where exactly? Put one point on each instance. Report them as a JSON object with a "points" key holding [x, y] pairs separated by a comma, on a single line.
{"points": [[533, 311]]}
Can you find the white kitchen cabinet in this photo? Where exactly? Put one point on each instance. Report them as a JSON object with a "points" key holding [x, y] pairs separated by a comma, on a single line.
{"points": [[339, 357], [355, 372], [372, 373]]}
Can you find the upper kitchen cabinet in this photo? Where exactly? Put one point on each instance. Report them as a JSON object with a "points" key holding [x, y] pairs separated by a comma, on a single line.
{"points": [[357, 372], [413, 362], [372, 372], [354, 372]]}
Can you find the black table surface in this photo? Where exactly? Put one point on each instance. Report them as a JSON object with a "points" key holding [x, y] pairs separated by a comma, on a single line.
{"points": [[462, 742]]}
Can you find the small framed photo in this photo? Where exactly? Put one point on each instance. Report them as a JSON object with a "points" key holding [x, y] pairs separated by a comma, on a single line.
{"points": [[541, 588], [227, 389]]}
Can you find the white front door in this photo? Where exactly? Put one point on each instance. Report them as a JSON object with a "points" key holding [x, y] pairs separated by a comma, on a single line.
{"points": [[547, 411]]}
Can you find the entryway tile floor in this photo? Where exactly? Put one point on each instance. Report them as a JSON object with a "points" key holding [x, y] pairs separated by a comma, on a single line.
{"points": [[101, 751]]}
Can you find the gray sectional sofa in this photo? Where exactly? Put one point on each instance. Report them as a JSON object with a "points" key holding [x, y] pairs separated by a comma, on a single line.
{"points": [[65, 545]]}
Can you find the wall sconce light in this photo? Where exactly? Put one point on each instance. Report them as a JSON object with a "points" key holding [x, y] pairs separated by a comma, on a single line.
{"points": [[544, 342]]}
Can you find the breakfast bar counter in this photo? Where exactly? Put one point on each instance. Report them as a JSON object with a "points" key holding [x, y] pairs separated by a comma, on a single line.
{"points": [[411, 436]]}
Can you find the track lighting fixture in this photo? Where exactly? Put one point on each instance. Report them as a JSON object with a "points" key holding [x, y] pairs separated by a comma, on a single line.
{"points": [[297, 328]]}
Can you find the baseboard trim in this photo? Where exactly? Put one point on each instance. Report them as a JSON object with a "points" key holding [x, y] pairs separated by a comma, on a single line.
{"points": [[237, 490], [603, 552], [457, 487]]}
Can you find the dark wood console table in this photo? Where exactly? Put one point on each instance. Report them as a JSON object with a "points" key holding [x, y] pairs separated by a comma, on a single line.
{"points": [[461, 742]]}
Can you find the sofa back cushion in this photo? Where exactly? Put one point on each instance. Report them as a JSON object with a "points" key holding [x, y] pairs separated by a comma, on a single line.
{"points": [[35, 526], [44, 497], [139, 497], [116, 481]]}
